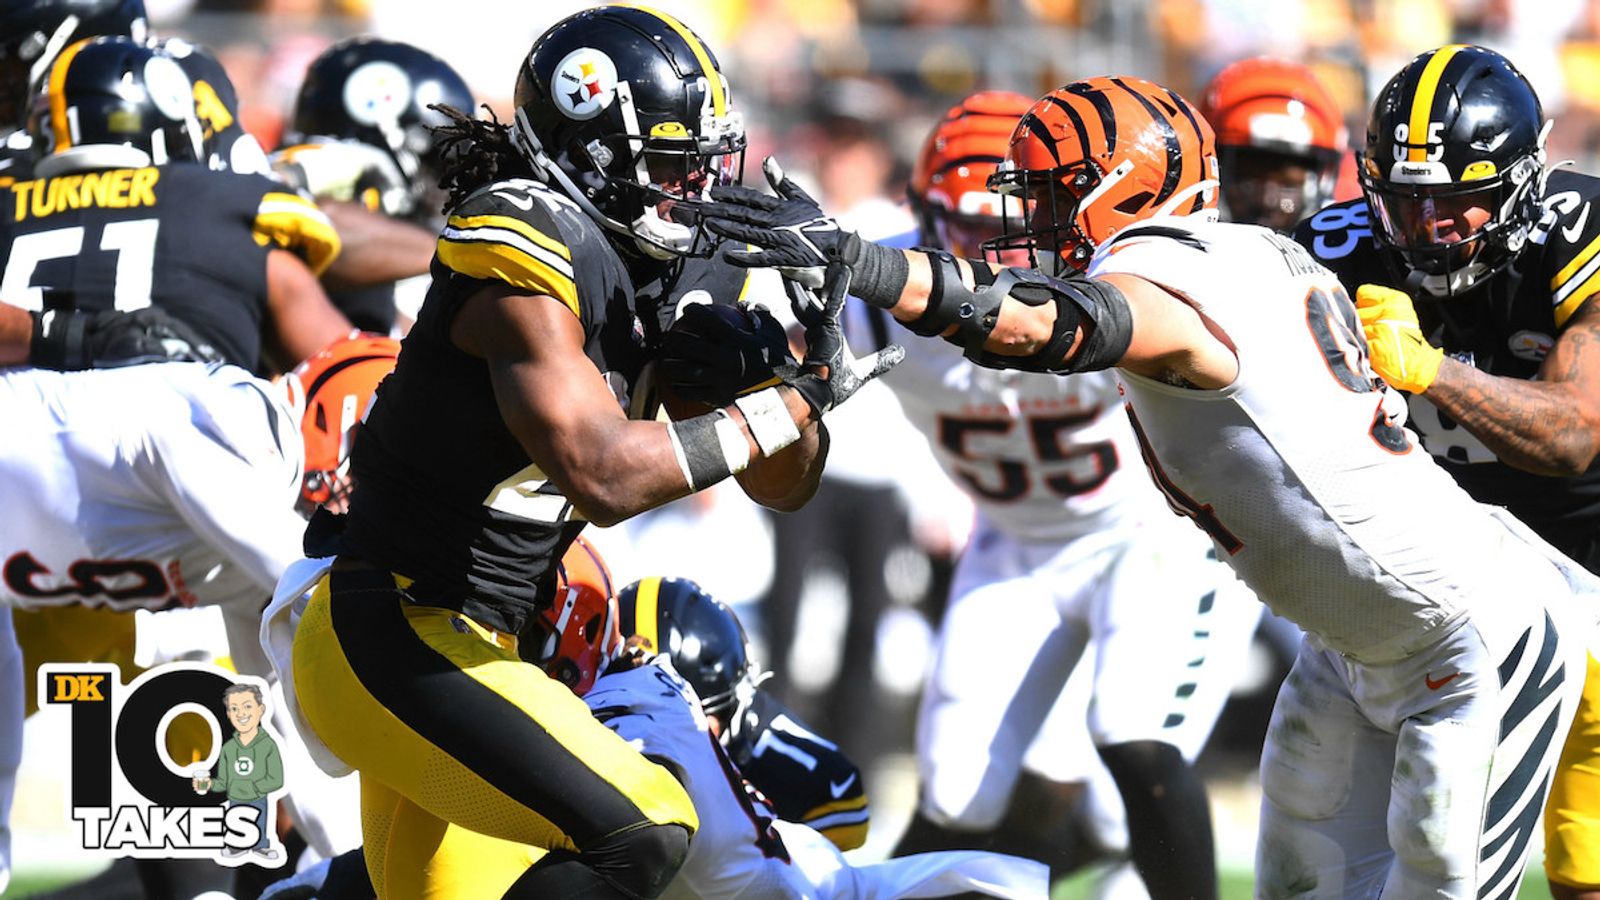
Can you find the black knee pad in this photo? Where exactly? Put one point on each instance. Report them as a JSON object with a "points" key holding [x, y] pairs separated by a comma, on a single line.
{"points": [[640, 860], [1148, 762]]}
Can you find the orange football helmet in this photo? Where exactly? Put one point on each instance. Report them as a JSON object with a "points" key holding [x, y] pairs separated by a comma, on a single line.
{"points": [[330, 392], [949, 183], [580, 628], [1281, 139], [1093, 157]]}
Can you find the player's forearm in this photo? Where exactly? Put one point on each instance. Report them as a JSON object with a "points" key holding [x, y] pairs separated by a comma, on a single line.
{"points": [[1543, 427], [376, 249], [16, 335]]}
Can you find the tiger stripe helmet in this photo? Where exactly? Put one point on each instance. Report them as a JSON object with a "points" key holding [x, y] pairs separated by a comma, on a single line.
{"points": [[580, 633], [1096, 156], [950, 182], [330, 393], [1281, 138], [1455, 166]]}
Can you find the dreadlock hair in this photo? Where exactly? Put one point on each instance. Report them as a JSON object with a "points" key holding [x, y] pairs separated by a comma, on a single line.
{"points": [[475, 152]]}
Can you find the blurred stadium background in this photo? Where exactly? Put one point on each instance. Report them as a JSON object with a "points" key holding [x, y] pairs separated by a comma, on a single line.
{"points": [[844, 91]]}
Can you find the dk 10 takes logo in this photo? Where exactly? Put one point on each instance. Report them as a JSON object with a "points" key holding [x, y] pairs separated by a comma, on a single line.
{"points": [[127, 793]]}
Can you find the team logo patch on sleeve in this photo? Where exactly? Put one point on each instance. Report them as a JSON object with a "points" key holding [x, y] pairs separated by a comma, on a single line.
{"points": [[585, 83]]}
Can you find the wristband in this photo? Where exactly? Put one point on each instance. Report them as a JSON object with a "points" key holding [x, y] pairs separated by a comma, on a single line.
{"points": [[768, 419], [878, 274], [709, 448]]}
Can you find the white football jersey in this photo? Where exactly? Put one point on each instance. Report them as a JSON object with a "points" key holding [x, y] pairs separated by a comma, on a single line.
{"points": [[741, 850], [145, 487], [1301, 470], [1044, 457]]}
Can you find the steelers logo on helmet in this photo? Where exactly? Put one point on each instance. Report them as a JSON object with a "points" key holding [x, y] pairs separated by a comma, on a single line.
{"points": [[169, 88], [585, 83], [377, 93]]}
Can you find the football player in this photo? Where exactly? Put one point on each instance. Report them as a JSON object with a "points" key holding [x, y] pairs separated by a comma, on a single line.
{"points": [[162, 486], [804, 776], [1074, 548], [1471, 262], [558, 270], [120, 220], [1413, 741], [361, 142], [1281, 141]]}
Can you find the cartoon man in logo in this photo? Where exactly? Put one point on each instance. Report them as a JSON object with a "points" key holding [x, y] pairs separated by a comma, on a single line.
{"points": [[249, 767]]}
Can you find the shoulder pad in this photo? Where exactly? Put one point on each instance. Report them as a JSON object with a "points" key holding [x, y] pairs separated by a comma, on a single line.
{"points": [[290, 221], [519, 232], [1571, 224]]}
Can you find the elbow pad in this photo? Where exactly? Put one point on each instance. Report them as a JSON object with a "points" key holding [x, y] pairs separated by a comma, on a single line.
{"points": [[1099, 307]]}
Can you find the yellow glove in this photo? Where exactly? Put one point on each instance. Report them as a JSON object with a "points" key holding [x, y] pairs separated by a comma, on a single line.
{"points": [[1399, 351]]}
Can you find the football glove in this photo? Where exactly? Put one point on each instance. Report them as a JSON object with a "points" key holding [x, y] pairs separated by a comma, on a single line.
{"points": [[831, 373], [71, 339], [1400, 353], [790, 231], [347, 171], [714, 354]]}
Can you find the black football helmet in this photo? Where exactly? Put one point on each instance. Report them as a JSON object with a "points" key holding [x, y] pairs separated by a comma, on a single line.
{"points": [[378, 92], [110, 102], [626, 111], [1455, 166], [226, 145], [701, 636], [32, 32]]}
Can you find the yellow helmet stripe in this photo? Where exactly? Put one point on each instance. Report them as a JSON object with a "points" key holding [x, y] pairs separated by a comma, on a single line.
{"points": [[719, 103], [58, 96], [1422, 102], [644, 612]]}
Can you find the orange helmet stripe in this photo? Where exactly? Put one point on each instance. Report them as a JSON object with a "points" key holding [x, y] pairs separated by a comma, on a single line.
{"points": [[1169, 181], [58, 95]]}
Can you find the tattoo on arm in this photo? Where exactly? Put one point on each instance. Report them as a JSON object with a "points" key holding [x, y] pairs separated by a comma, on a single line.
{"points": [[1548, 426]]}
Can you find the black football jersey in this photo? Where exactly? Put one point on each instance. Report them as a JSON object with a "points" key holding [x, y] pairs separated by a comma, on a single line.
{"points": [[448, 497], [182, 237], [1504, 327], [804, 776], [16, 159]]}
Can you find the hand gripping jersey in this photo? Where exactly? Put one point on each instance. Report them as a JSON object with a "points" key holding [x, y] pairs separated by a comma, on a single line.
{"points": [[145, 487], [1045, 458], [741, 849], [1504, 327], [805, 776], [182, 237], [1300, 470], [448, 496]]}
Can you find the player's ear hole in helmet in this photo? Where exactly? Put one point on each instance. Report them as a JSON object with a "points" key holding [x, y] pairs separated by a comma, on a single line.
{"points": [[331, 392], [626, 111], [1454, 166], [34, 32], [1096, 156], [703, 638], [112, 103]]}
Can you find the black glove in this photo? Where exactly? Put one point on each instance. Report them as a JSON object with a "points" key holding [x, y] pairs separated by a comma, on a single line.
{"points": [[71, 339], [831, 373], [790, 232], [713, 354]]}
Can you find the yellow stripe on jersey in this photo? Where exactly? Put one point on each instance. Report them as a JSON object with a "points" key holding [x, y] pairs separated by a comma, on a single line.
{"points": [[827, 809], [1422, 103], [1575, 282], [58, 95], [847, 837], [644, 612], [719, 103], [294, 223], [509, 250]]}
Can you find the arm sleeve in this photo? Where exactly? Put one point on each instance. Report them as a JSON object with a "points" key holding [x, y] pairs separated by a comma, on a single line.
{"points": [[271, 777]]}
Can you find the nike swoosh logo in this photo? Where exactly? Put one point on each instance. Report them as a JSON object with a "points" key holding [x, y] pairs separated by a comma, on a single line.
{"points": [[526, 203], [1435, 685], [839, 787], [1573, 231]]}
